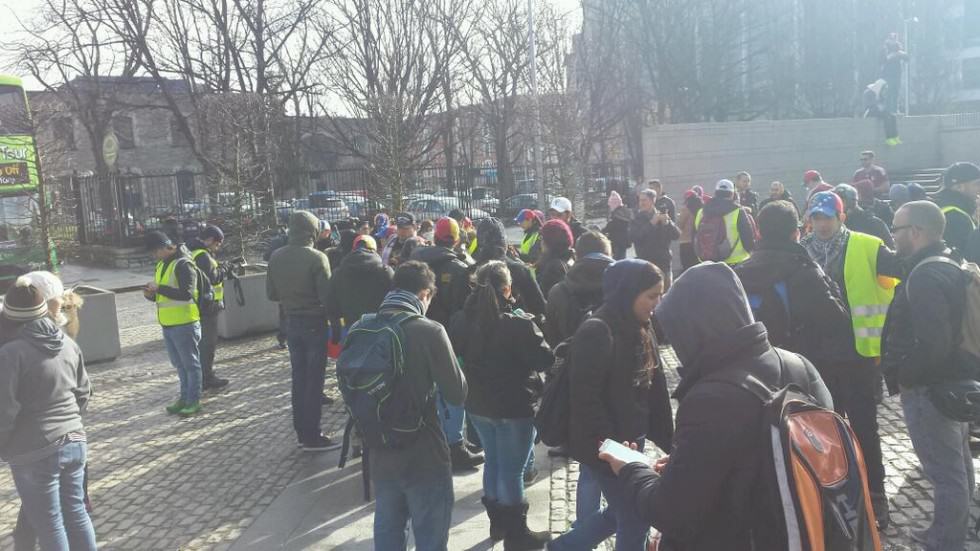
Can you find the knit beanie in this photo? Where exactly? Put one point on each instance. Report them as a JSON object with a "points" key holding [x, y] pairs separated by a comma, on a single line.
{"points": [[557, 235], [624, 280], [24, 302]]}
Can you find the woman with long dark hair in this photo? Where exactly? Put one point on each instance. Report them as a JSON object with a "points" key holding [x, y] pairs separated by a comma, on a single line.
{"points": [[503, 355]]}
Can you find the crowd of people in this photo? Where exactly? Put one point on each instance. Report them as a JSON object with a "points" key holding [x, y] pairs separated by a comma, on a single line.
{"points": [[818, 293]]}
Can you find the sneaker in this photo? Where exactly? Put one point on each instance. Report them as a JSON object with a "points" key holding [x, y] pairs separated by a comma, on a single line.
{"points": [[190, 410], [215, 383], [320, 444], [174, 408], [282, 344]]}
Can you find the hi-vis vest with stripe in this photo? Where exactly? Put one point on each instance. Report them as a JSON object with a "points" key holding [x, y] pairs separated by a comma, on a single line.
{"points": [[528, 243], [867, 294], [949, 209], [739, 254], [219, 288], [174, 312]]}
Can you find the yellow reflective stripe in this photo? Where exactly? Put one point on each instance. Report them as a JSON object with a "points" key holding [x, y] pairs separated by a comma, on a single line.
{"points": [[868, 301], [174, 312], [218, 288]]}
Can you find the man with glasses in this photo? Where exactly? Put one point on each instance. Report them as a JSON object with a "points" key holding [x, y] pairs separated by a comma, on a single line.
{"points": [[870, 171]]}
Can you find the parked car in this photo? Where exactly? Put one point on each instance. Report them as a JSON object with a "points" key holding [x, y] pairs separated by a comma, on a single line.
{"points": [[231, 203], [362, 208], [327, 205], [433, 208], [485, 198], [514, 204]]}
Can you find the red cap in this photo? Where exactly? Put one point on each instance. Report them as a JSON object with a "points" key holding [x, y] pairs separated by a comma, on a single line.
{"points": [[812, 176]]}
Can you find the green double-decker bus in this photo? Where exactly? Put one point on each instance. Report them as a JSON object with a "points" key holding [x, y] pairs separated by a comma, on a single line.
{"points": [[21, 245]]}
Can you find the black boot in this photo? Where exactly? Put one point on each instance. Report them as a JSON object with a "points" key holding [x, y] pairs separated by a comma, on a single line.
{"points": [[463, 459], [497, 527], [519, 537]]}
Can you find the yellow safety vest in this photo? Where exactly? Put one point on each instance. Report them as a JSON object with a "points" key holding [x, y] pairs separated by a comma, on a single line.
{"points": [[530, 240], [174, 312], [472, 247], [868, 295], [949, 209], [739, 254], [219, 288]]}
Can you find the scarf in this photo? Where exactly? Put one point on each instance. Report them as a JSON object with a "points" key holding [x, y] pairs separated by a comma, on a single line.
{"points": [[399, 299], [826, 253]]}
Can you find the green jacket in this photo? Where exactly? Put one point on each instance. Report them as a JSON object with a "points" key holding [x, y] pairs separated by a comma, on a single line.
{"points": [[299, 275]]}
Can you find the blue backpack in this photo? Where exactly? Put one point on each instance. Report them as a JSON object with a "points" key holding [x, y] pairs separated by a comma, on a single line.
{"points": [[370, 373]]}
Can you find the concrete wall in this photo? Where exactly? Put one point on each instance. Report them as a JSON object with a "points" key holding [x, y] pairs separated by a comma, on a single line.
{"points": [[682, 155]]}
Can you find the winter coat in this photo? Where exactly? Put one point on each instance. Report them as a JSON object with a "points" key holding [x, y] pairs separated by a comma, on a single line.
{"points": [[357, 288], [493, 246], [552, 268], [667, 205], [299, 276], [618, 386], [44, 387], [577, 229], [618, 229], [786, 196], [959, 227], [720, 206], [502, 364], [715, 492], [452, 281], [215, 274], [574, 297], [920, 340], [750, 200], [820, 322], [652, 242], [865, 221]]}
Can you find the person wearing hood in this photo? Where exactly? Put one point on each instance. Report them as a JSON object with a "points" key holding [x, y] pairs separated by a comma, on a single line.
{"points": [[452, 270], [44, 390], [337, 254], [493, 246], [652, 232], [557, 255], [715, 491], [530, 222], [618, 390], [203, 249], [358, 286], [958, 201], [174, 290], [379, 232], [737, 219], [860, 219], [572, 299], [866, 272], [693, 203], [503, 355], [618, 227], [299, 279]]}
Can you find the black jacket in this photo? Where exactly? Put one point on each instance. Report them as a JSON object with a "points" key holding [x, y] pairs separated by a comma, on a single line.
{"points": [[214, 274], [719, 206], [785, 197], [666, 204], [527, 293], [552, 268], [715, 492], [865, 221], [652, 242], [452, 280], [502, 364], [920, 343], [577, 229], [357, 287], [578, 294], [618, 229], [185, 274], [959, 227], [820, 323], [618, 387], [750, 200]]}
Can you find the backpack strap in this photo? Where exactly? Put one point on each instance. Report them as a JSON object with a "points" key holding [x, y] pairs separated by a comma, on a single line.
{"points": [[928, 260], [745, 380]]}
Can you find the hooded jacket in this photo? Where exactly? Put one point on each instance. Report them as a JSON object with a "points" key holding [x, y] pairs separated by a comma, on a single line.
{"points": [[618, 229], [552, 268], [493, 246], [720, 206], [44, 387], [357, 288], [572, 299], [616, 377], [715, 493], [452, 281], [299, 275], [959, 227], [652, 242]]}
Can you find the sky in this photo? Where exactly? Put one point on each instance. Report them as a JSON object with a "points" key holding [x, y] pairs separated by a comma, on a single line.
{"points": [[22, 9]]}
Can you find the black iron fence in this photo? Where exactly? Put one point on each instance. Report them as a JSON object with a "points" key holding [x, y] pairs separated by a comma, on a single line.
{"points": [[119, 209]]}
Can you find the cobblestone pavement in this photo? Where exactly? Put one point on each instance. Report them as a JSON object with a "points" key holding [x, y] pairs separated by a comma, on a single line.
{"points": [[159, 482], [908, 490]]}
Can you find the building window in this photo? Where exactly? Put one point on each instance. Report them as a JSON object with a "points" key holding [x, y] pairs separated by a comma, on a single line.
{"points": [[971, 73], [177, 136], [122, 125], [64, 132]]}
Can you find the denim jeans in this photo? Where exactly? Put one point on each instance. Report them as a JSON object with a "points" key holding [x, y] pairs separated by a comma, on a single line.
{"points": [[507, 444], [52, 497], [453, 420], [943, 448], [307, 337], [588, 496], [425, 498], [617, 518], [183, 343]]}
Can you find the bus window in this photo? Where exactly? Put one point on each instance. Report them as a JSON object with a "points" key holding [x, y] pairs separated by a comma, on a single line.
{"points": [[14, 118]]}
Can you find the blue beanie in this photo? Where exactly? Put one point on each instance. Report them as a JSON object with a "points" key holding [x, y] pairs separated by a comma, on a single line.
{"points": [[899, 193], [624, 280]]}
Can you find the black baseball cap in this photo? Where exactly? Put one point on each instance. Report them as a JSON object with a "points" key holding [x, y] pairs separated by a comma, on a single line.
{"points": [[404, 219], [958, 173], [156, 240]]}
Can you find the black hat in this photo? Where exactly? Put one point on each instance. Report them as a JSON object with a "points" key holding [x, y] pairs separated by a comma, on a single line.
{"points": [[156, 240], [214, 232], [958, 173], [403, 219], [24, 302]]}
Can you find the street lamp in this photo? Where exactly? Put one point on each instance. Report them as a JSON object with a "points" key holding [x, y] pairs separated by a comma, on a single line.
{"points": [[908, 64]]}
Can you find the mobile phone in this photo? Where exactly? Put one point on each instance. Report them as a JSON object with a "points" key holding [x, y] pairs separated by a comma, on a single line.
{"points": [[622, 453]]}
